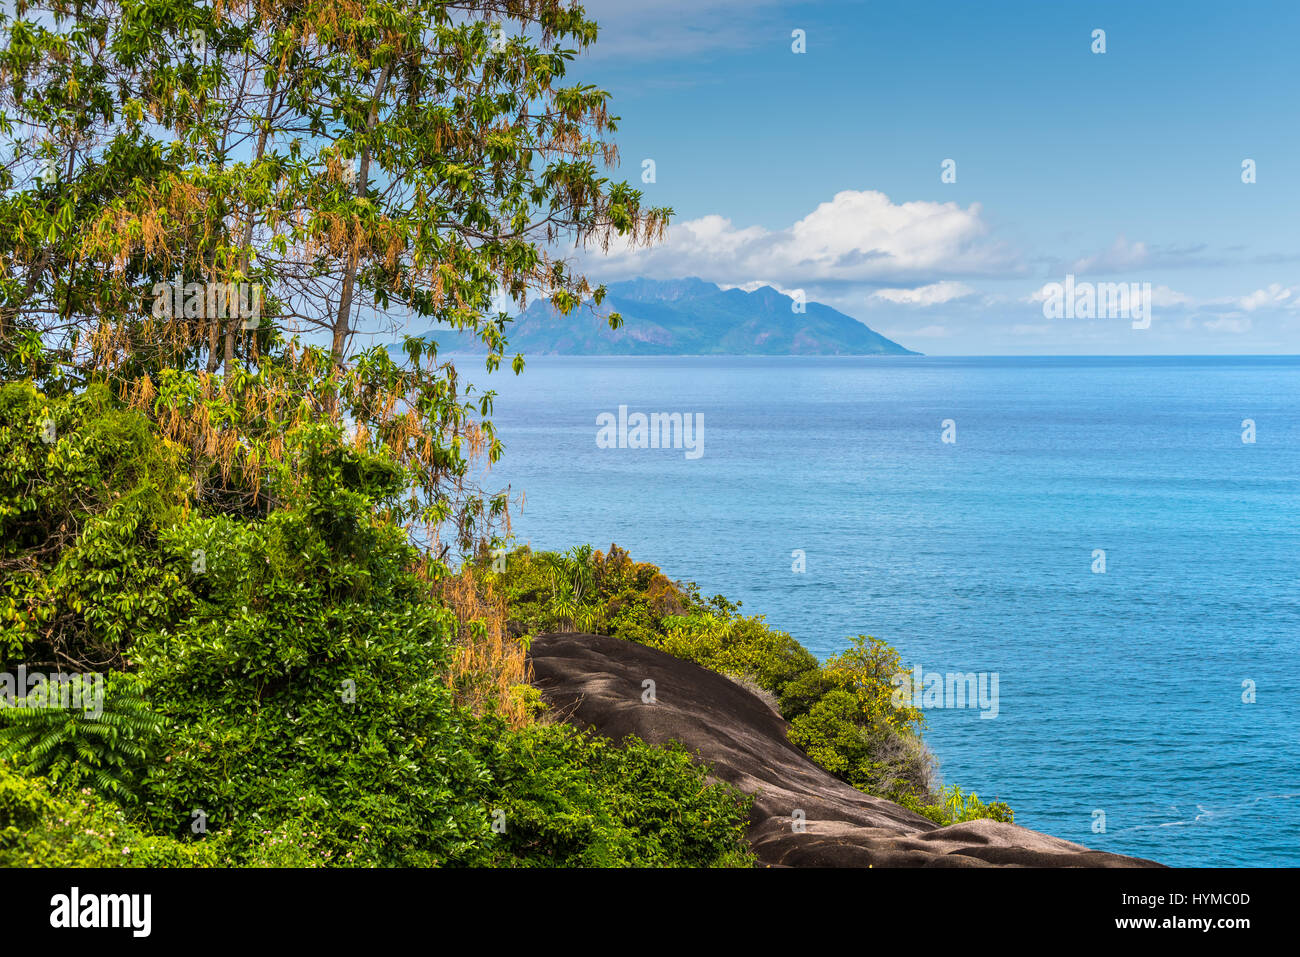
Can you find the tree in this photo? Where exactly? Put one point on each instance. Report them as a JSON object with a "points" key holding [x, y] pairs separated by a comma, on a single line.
{"points": [[335, 167]]}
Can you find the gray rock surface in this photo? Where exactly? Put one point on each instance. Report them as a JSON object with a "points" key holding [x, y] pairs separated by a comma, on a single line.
{"points": [[596, 681]]}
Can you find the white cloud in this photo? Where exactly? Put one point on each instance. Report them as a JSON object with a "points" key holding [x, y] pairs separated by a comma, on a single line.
{"points": [[856, 236], [759, 284], [1165, 297], [1120, 256], [931, 295], [1275, 294]]}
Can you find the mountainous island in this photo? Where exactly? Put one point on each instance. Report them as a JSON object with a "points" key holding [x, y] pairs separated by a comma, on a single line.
{"points": [[685, 317]]}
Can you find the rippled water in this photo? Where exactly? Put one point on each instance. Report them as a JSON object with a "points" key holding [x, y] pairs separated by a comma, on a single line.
{"points": [[1119, 692]]}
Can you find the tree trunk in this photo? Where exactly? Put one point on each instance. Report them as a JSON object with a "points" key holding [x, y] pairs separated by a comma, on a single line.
{"points": [[342, 328], [235, 322]]}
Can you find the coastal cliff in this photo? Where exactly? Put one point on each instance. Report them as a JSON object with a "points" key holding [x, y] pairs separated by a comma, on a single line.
{"points": [[598, 682]]}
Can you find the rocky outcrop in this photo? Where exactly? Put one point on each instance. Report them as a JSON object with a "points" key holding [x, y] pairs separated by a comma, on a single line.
{"points": [[599, 682]]}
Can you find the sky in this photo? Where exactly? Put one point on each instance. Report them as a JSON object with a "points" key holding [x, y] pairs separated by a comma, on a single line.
{"points": [[824, 171]]}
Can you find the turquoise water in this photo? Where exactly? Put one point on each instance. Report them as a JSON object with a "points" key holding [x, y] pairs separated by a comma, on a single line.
{"points": [[1119, 692]]}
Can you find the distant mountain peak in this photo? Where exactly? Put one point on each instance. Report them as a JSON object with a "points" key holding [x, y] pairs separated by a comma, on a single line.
{"points": [[664, 289], [685, 316]]}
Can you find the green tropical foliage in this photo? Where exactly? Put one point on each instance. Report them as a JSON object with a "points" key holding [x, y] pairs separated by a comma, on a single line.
{"points": [[288, 699], [210, 488], [106, 745], [349, 162], [841, 712], [666, 814], [43, 826]]}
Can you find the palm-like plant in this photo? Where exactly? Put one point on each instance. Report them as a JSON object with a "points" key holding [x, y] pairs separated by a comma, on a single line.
{"points": [[102, 750], [591, 618], [572, 587], [564, 604], [581, 571]]}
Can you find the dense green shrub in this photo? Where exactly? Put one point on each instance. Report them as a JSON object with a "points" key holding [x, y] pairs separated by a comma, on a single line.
{"points": [[105, 742], [39, 828], [665, 814], [740, 647], [312, 654], [306, 684], [84, 489], [288, 702], [841, 713]]}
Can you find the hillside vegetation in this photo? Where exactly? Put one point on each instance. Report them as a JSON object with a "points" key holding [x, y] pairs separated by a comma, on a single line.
{"points": [[842, 712], [283, 689]]}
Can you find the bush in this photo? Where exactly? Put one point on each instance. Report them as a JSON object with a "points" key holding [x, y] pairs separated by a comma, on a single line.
{"points": [[105, 745], [845, 717], [41, 829], [85, 488], [291, 700], [629, 804], [954, 807], [742, 647], [841, 713]]}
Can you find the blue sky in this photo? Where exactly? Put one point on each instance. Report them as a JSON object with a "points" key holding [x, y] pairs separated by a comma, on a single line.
{"points": [[821, 171]]}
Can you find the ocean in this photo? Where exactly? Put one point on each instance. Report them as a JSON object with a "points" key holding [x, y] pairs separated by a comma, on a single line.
{"points": [[1095, 533]]}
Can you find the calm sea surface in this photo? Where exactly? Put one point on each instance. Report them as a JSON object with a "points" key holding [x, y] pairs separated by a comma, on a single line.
{"points": [[1119, 692]]}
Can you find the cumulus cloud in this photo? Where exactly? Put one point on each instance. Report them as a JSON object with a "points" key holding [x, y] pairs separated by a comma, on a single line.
{"points": [[857, 236], [932, 295], [1275, 295], [1165, 297]]}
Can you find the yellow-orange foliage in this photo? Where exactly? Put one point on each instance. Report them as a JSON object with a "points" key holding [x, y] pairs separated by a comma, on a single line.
{"points": [[487, 665]]}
